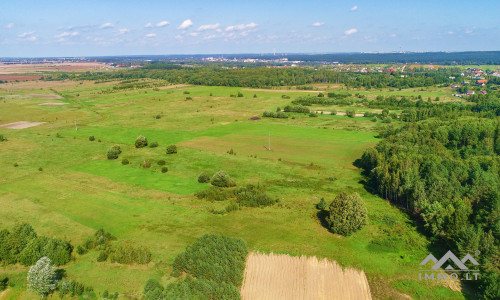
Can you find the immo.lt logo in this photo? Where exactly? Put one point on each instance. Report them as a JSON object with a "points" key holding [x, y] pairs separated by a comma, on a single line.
{"points": [[457, 271]]}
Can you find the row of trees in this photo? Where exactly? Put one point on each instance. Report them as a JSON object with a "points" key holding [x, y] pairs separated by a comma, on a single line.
{"points": [[22, 245]]}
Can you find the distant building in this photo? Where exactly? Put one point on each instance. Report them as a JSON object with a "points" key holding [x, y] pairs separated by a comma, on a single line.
{"points": [[469, 93]]}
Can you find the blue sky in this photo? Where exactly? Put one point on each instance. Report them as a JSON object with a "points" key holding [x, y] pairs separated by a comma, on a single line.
{"points": [[111, 27]]}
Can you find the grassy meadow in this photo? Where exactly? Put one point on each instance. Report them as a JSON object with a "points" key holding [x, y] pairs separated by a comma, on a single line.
{"points": [[79, 191]]}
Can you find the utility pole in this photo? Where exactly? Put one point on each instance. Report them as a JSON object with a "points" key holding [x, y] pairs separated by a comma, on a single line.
{"points": [[269, 149]]}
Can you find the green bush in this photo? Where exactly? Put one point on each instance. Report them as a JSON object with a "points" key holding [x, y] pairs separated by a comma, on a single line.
{"points": [[81, 250], [333, 112], [221, 179], [189, 98], [215, 194], [346, 214], [126, 253], [3, 283], [91, 138], [203, 177], [103, 256], [321, 204], [40, 169], [161, 162], [171, 149], [254, 196], [186, 92], [112, 154], [200, 289], [72, 288], [16, 165], [125, 161], [214, 257], [59, 251], [387, 120], [2, 138], [141, 142], [351, 113], [153, 290], [99, 241], [164, 169], [240, 94], [153, 145]]}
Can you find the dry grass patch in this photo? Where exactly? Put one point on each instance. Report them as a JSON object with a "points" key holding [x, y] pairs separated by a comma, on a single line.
{"points": [[279, 276], [21, 125]]}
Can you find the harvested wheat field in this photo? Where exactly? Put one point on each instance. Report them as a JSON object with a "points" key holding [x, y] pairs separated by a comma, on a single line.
{"points": [[278, 276]]}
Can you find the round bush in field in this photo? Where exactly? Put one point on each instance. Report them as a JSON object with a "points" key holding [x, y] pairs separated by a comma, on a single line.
{"points": [[141, 142], [171, 149], [125, 161], [113, 153], [346, 214], [161, 162], [91, 138], [204, 178], [221, 179], [164, 169], [153, 145]]}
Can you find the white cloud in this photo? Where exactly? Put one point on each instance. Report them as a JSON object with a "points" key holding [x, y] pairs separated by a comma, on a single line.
{"points": [[350, 31], [209, 37], [241, 26], [28, 36], [354, 8], [393, 35], [149, 25], [194, 33], [178, 37], [106, 25], [9, 26], [186, 24], [150, 35], [469, 31], [25, 34], [318, 24], [162, 24], [123, 31], [208, 27], [66, 34], [450, 32]]}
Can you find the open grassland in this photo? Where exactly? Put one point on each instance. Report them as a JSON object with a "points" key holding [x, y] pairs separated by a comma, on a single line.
{"points": [[78, 191]]}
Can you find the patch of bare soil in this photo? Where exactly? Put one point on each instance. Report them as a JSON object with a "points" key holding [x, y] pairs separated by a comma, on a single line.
{"points": [[21, 125], [52, 104], [278, 276]]}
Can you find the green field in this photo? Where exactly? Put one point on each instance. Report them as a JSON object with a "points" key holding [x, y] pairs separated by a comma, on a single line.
{"points": [[79, 190]]}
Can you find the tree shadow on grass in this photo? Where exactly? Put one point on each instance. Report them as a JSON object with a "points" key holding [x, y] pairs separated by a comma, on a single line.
{"points": [[322, 215]]}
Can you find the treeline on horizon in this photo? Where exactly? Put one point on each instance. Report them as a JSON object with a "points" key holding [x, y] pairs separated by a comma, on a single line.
{"points": [[444, 58], [261, 77]]}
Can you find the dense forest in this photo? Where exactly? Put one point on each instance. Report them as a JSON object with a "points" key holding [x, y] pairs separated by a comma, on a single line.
{"points": [[447, 175]]}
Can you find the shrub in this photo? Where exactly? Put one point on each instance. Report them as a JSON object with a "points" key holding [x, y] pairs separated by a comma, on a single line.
{"points": [[215, 194], [164, 169], [231, 152], [171, 149], [351, 113], [125, 161], [221, 179], [113, 153], [268, 114], [128, 254], [233, 206], [205, 289], [80, 250], [387, 120], [153, 145], [2, 138], [214, 257], [374, 119], [346, 214], [321, 204], [158, 117], [16, 165], [189, 98], [333, 112], [153, 290], [161, 162], [313, 115], [240, 94], [72, 288], [146, 164], [203, 177], [141, 142], [368, 114], [186, 92], [91, 138], [103, 256], [99, 241], [254, 196], [255, 95], [3, 283], [40, 169]]}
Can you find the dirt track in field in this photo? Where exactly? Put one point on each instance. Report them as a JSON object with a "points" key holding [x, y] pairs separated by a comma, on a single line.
{"points": [[278, 276]]}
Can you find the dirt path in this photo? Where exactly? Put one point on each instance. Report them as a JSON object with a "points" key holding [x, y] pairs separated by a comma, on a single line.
{"points": [[3, 293], [278, 276], [21, 125]]}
